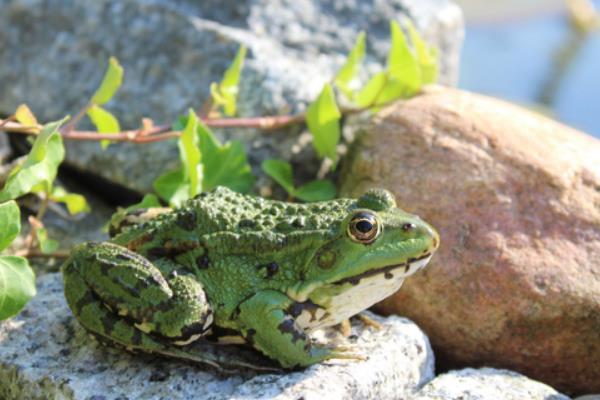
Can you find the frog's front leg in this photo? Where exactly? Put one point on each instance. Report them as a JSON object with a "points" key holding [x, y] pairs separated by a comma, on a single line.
{"points": [[271, 329], [106, 284]]}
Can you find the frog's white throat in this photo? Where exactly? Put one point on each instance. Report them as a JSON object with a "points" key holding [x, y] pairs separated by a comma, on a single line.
{"points": [[360, 295]]}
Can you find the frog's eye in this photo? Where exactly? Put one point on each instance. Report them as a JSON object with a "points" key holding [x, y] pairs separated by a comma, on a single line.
{"points": [[364, 228]]}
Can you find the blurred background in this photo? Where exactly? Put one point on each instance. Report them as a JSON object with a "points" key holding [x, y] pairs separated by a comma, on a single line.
{"points": [[543, 54]]}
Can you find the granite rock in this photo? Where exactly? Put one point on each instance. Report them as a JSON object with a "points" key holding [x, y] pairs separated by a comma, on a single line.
{"points": [[486, 384], [515, 197], [45, 354], [173, 50]]}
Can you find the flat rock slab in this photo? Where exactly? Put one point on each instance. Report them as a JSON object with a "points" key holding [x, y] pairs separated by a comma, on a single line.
{"points": [[45, 354], [486, 384]]}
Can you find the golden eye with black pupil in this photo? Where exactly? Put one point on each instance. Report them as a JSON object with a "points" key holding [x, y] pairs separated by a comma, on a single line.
{"points": [[363, 228]]}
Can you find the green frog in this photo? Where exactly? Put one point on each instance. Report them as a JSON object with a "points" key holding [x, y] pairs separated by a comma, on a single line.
{"points": [[235, 268]]}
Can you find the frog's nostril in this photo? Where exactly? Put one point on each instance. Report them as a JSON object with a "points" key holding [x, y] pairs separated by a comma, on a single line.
{"points": [[409, 226]]}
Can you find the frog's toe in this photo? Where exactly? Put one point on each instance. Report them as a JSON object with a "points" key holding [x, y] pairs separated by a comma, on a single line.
{"points": [[368, 321], [346, 352]]}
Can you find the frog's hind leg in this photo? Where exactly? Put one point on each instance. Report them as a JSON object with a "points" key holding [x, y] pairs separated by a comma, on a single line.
{"points": [[121, 295]]}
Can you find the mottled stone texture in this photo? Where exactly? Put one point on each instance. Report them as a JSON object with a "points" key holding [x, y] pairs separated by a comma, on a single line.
{"points": [[53, 53], [516, 199], [45, 354], [486, 384]]}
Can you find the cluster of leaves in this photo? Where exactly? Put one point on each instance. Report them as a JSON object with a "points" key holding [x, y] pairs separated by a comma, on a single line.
{"points": [[408, 69], [205, 161], [35, 174]]}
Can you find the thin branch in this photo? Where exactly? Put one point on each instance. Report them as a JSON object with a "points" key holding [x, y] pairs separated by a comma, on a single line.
{"points": [[69, 126], [37, 253], [164, 132]]}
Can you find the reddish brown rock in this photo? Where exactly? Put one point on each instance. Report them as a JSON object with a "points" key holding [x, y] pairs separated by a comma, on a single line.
{"points": [[516, 199]]}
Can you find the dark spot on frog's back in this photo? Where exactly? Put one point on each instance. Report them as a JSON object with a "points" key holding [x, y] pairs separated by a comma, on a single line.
{"points": [[203, 261], [270, 268], [247, 224], [187, 220]]}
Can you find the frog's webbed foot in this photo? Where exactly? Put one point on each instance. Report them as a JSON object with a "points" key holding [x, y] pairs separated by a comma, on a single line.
{"points": [[368, 321], [344, 328], [346, 353]]}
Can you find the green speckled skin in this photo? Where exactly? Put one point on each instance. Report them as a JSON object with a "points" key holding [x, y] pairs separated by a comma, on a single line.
{"points": [[236, 268]]}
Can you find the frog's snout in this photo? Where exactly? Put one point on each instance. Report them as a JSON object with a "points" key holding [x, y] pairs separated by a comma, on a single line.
{"points": [[433, 235]]}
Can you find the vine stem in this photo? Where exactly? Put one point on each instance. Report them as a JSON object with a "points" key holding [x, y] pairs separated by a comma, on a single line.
{"points": [[37, 253], [164, 132]]}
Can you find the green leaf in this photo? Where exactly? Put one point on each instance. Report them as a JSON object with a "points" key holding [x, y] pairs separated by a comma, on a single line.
{"points": [[110, 83], [190, 155], [392, 90], [104, 122], [402, 63], [322, 118], [17, 285], [10, 223], [349, 71], [148, 201], [47, 245], [426, 56], [25, 116], [225, 93], [224, 164], [281, 172], [318, 190], [369, 93], [75, 203], [172, 188], [38, 171]]}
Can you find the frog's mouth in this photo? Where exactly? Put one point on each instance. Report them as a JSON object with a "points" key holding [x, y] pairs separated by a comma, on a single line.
{"points": [[411, 265]]}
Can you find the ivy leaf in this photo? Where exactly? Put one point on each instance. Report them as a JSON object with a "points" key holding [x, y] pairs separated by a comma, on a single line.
{"points": [[190, 156], [402, 63], [223, 164], [426, 56], [10, 223], [24, 115], [38, 171], [172, 188], [317, 190], [322, 118], [225, 93], [75, 203], [17, 285], [104, 122], [349, 71], [281, 172], [110, 83], [371, 91]]}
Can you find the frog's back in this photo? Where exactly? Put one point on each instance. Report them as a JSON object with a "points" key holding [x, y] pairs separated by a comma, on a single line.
{"points": [[223, 210]]}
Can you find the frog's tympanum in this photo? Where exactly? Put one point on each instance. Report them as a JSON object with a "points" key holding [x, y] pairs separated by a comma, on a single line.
{"points": [[240, 269]]}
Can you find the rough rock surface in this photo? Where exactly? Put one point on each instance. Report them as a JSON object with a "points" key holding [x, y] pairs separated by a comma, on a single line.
{"points": [[173, 50], [45, 354], [516, 199], [486, 384]]}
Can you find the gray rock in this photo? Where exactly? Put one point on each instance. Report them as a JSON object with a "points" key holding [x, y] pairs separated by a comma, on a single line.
{"points": [[486, 384], [45, 354], [53, 52]]}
